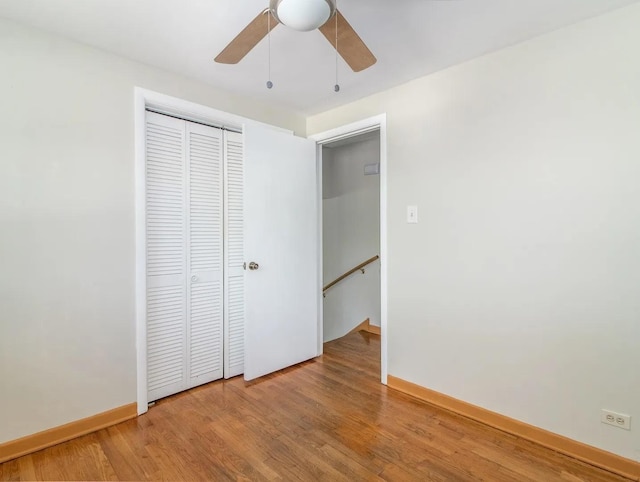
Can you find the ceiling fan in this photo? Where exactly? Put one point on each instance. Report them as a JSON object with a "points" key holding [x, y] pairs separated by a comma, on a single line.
{"points": [[304, 16]]}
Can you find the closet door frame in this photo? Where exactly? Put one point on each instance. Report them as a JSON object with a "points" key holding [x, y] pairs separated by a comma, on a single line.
{"points": [[145, 99]]}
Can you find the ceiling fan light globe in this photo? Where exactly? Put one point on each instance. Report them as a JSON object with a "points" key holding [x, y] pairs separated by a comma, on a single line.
{"points": [[303, 15]]}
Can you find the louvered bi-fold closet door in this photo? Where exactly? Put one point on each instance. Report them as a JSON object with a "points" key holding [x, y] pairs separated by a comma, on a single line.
{"points": [[166, 256], [184, 243], [205, 254], [234, 259]]}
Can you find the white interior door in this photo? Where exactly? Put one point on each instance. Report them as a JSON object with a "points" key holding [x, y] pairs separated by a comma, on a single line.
{"points": [[281, 237]]}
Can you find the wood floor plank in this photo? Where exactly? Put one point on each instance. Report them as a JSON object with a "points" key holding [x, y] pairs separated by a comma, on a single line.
{"points": [[11, 470], [125, 449], [325, 419], [27, 469]]}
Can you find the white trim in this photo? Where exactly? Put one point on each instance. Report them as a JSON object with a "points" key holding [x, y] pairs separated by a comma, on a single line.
{"points": [[320, 251], [344, 132], [351, 130], [141, 253], [165, 104]]}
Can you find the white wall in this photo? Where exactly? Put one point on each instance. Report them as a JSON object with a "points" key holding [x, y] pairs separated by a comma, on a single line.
{"points": [[67, 243], [351, 235], [519, 289]]}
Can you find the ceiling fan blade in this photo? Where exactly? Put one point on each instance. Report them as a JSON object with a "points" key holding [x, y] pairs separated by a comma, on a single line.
{"points": [[350, 46], [247, 39]]}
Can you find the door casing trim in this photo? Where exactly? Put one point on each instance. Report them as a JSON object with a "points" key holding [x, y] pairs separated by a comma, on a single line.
{"points": [[363, 126]]}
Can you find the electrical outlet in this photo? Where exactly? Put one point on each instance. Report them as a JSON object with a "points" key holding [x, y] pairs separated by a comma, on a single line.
{"points": [[619, 420]]}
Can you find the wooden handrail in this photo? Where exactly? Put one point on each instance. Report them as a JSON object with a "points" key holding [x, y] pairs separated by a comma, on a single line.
{"points": [[350, 272]]}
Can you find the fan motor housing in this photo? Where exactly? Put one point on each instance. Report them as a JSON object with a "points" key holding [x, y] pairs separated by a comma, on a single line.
{"points": [[302, 15]]}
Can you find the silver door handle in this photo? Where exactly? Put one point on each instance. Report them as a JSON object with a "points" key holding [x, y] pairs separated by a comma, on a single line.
{"points": [[194, 278], [253, 266]]}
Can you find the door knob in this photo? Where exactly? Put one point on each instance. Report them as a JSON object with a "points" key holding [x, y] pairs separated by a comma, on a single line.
{"points": [[253, 266], [194, 278]]}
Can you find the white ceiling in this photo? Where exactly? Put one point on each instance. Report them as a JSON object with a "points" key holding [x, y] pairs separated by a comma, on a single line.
{"points": [[410, 38]]}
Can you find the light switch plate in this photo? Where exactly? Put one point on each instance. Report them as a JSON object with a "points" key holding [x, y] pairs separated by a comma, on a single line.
{"points": [[412, 214]]}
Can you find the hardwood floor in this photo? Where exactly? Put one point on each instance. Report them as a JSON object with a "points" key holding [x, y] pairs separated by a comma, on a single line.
{"points": [[327, 419]]}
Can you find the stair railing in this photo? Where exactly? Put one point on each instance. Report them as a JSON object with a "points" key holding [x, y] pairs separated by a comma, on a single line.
{"points": [[340, 278]]}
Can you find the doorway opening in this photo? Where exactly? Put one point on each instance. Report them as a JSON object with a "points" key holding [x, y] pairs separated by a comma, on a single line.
{"points": [[353, 194], [351, 235]]}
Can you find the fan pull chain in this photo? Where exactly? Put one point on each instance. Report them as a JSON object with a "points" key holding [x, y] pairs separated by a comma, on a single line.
{"points": [[336, 88], [269, 83]]}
